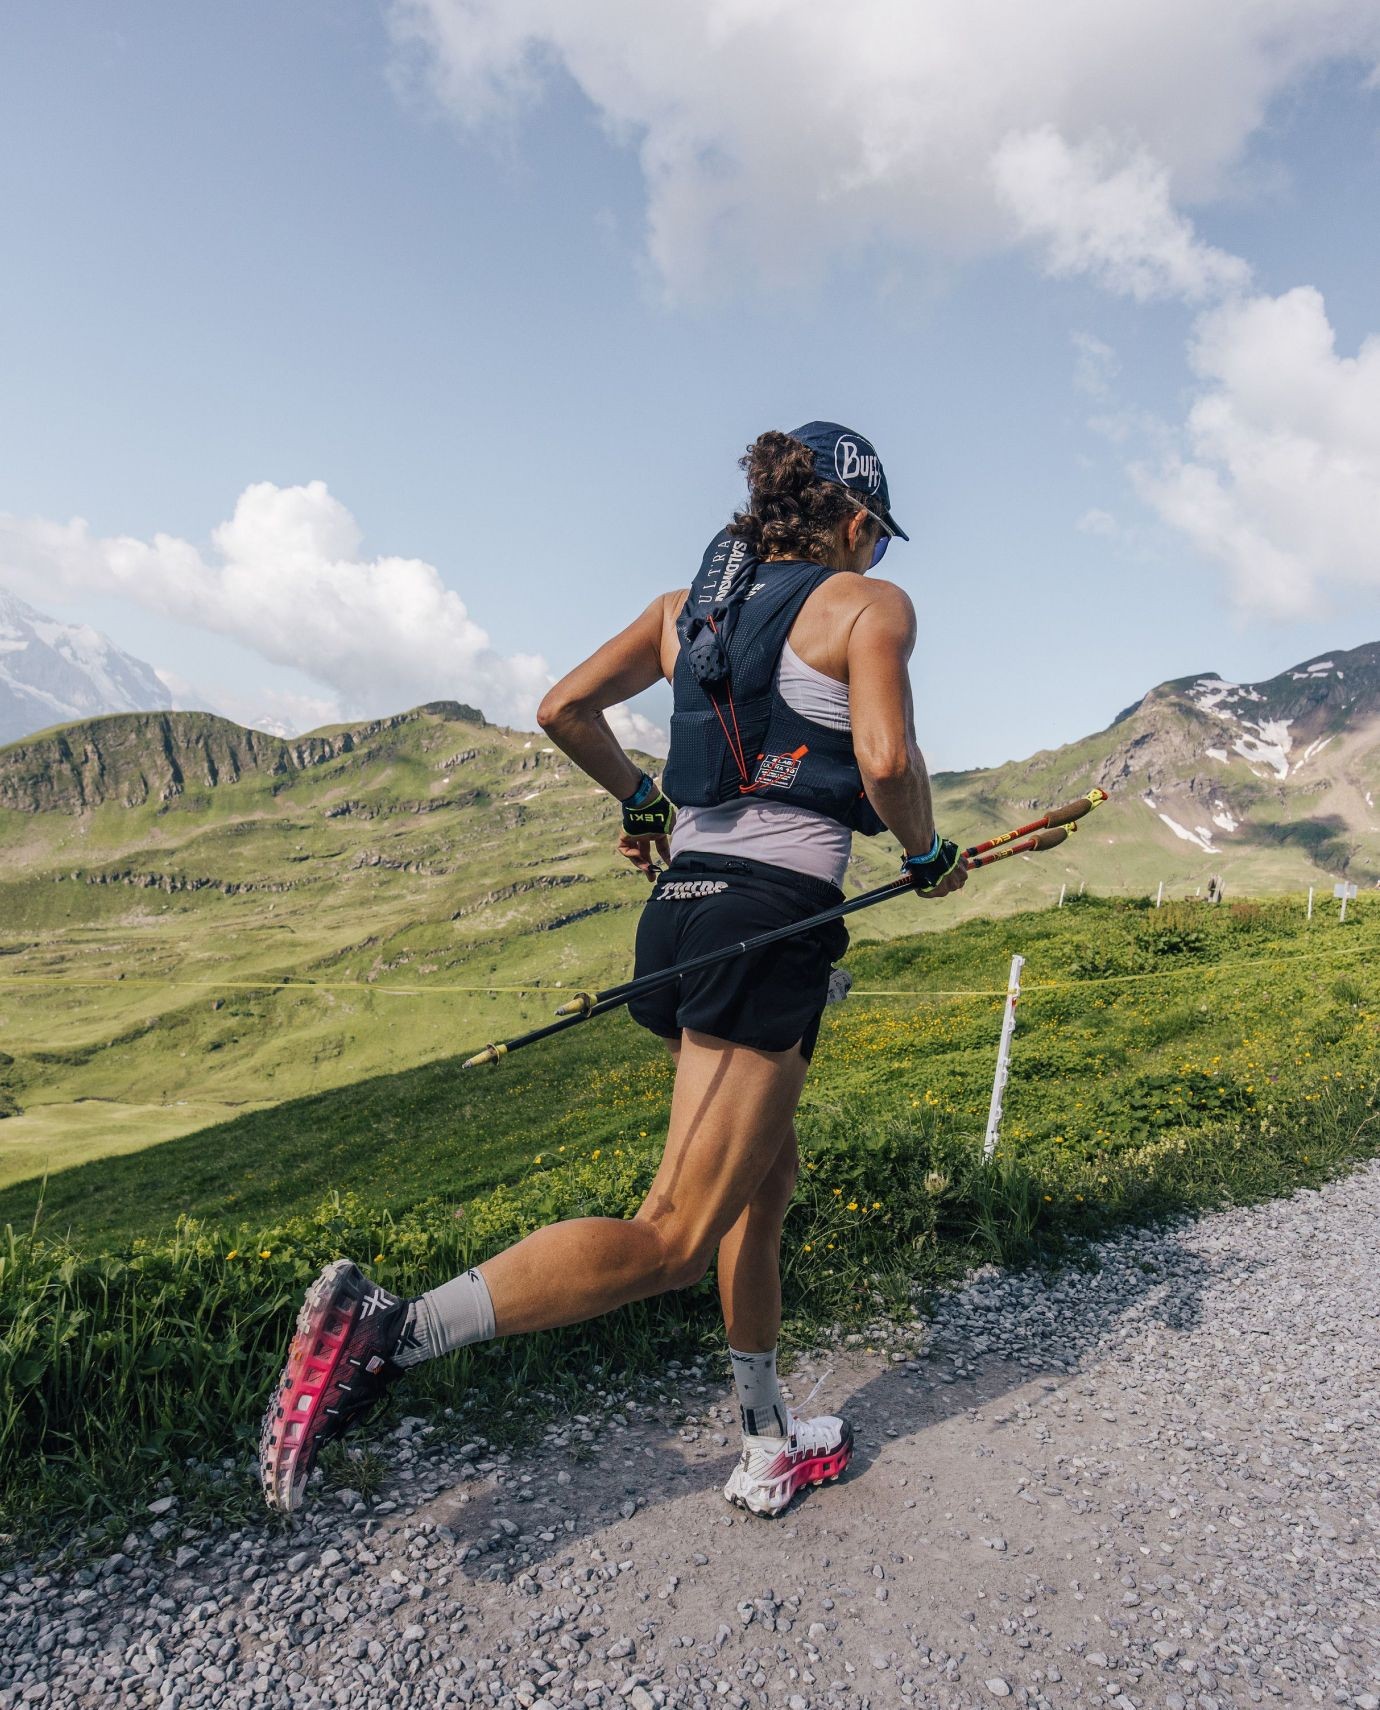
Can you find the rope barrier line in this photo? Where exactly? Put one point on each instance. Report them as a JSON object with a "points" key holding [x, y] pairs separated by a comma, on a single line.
{"points": [[258, 985], [1033, 990], [1202, 971]]}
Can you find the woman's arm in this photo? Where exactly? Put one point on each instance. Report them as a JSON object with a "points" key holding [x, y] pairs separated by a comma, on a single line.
{"points": [[572, 713], [893, 769]]}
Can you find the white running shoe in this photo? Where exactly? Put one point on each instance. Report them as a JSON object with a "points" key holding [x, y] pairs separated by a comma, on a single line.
{"points": [[772, 1469]]}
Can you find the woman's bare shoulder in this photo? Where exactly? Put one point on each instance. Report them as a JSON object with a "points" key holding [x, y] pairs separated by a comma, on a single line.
{"points": [[847, 596]]}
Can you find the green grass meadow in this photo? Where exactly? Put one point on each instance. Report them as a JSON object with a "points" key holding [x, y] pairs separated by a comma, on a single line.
{"points": [[171, 958], [1165, 1061]]}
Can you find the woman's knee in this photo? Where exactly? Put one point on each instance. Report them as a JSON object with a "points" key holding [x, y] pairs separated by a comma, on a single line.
{"points": [[688, 1265], [683, 1254]]}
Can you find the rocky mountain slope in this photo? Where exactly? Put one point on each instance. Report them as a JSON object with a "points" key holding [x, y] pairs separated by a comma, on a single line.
{"points": [[1272, 784], [160, 756], [52, 672]]}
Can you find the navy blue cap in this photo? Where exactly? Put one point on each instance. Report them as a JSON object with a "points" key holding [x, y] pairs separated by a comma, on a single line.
{"points": [[849, 460]]}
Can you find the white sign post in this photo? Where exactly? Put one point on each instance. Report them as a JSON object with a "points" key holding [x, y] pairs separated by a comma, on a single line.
{"points": [[1008, 1023], [1344, 892]]}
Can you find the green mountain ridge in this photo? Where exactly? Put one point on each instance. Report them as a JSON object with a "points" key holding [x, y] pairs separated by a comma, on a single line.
{"points": [[131, 758]]}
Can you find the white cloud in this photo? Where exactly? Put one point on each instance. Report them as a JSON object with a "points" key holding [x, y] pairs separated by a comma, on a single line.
{"points": [[774, 136], [285, 579], [1097, 522], [1108, 217], [1095, 365], [283, 712], [633, 730], [280, 711], [1278, 475]]}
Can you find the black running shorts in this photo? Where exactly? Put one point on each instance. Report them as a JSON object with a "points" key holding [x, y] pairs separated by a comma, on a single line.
{"points": [[768, 999]]}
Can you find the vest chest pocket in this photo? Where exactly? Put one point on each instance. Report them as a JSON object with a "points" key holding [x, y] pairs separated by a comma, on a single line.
{"points": [[714, 750]]}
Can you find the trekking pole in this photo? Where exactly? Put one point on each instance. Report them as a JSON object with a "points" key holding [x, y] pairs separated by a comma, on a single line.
{"points": [[1046, 833], [1069, 814]]}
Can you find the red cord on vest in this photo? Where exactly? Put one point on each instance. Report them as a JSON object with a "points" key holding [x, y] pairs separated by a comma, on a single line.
{"points": [[735, 747]]}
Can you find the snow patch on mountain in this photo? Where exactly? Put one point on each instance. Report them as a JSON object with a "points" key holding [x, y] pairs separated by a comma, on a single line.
{"points": [[1313, 748], [1213, 695], [1202, 837], [53, 672], [1270, 747]]}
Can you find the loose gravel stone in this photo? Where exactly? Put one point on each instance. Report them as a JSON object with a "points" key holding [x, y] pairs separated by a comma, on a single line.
{"points": [[1147, 1483]]}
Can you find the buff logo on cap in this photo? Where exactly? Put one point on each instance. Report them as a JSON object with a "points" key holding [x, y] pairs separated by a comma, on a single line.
{"points": [[856, 466], [847, 458]]}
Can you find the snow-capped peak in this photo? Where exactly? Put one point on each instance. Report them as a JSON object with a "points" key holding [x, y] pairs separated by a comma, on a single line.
{"points": [[52, 672]]}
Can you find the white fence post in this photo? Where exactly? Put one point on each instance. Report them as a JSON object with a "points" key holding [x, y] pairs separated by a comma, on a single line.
{"points": [[1008, 1023], [1159, 894], [1062, 889], [1310, 902]]}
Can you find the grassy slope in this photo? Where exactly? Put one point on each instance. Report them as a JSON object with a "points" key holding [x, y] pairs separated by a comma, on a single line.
{"points": [[120, 1002], [1127, 1014], [1165, 1061]]}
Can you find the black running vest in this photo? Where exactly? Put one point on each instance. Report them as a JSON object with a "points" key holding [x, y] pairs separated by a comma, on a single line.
{"points": [[733, 737]]}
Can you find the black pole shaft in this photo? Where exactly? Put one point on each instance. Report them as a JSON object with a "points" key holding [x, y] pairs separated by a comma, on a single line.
{"points": [[616, 996]]}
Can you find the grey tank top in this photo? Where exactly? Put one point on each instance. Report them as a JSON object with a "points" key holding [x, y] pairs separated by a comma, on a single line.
{"points": [[774, 831]]}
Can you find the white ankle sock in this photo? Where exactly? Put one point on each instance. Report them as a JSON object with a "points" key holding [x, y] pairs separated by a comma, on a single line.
{"points": [[760, 1407], [453, 1316]]}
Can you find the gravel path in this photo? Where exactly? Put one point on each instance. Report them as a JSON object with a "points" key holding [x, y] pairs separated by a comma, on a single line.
{"points": [[1150, 1485]]}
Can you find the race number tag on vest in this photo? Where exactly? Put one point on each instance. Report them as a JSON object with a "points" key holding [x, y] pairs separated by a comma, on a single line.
{"points": [[780, 769]]}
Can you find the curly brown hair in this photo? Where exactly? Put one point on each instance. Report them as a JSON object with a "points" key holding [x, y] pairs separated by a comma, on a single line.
{"points": [[790, 512]]}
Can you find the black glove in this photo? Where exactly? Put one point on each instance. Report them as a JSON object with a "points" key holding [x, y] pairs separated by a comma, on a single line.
{"points": [[931, 869], [646, 812]]}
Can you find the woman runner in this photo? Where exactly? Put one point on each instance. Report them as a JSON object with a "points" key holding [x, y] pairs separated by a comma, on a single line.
{"points": [[792, 728]]}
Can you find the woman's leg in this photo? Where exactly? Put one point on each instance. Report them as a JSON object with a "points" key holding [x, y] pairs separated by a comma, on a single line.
{"points": [[730, 1107], [750, 1257]]}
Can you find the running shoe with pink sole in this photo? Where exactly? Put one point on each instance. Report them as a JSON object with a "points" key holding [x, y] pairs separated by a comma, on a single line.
{"points": [[339, 1365], [771, 1470]]}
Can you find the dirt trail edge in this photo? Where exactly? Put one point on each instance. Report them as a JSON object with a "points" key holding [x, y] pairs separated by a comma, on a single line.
{"points": [[1153, 1484]]}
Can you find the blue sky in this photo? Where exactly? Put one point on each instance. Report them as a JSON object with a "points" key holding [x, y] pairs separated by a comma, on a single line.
{"points": [[251, 248]]}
